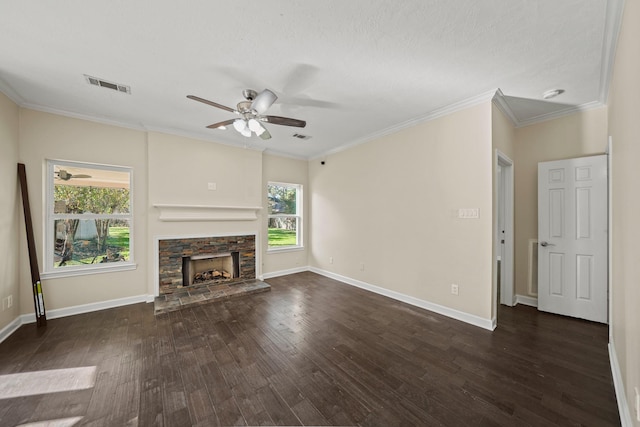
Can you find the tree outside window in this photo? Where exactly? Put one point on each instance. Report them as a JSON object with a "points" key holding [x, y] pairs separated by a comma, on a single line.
{"points": [[89, 217], [285, 215]]}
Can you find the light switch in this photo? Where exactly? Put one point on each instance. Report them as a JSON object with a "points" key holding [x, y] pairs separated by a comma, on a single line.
{"points": [[469, 213]]}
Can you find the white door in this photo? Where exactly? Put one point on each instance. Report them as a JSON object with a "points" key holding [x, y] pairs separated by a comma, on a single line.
{"points": [[572, 237]]}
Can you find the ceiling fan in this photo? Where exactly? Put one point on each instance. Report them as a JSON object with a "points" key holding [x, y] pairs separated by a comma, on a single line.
{"points": [[66, 176], [251, 112]]}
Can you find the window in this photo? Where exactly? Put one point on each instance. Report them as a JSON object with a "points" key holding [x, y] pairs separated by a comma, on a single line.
{"points": [[89, 219], [285, 215]]}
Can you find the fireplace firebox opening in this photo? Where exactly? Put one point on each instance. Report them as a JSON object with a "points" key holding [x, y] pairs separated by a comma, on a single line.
{"points": [[205, 268]]}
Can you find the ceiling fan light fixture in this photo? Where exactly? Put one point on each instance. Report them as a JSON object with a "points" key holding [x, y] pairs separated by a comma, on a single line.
{"points": [[240, 125], [256, 127], [246, 132]]}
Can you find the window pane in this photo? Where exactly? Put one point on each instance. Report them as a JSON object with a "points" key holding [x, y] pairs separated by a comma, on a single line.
{"points": [[85, 190], [282, 200], [283, 231], [90, 241]]}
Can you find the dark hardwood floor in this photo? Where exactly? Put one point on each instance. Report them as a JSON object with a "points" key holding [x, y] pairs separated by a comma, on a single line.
{"points": [[314, 351]]}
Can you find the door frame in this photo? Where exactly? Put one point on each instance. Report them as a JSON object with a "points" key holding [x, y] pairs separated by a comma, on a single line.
{"points": [[609, 154], [507, 296]]}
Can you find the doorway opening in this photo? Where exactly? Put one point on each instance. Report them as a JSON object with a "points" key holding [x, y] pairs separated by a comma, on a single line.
{"points": [[503, 238]]}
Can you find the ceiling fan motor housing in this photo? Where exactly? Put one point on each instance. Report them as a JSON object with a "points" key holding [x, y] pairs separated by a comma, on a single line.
{"points": [[249, 94], [244, 107]]}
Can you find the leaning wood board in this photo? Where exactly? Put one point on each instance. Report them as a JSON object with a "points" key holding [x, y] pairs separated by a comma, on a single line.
{"points": [[38, 297]]}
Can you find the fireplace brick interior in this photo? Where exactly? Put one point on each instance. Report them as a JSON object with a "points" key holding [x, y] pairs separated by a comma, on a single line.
{"points": [[172, 253]]}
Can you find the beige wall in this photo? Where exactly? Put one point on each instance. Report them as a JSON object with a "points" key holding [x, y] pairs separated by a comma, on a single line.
{"points": [[283, 169], [10, 209], [577, 135], [391, 203], [180, 169], [47, 136], [503, 133], [624, 127]]}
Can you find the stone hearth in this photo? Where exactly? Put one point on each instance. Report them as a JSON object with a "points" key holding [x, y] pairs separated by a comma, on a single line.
{"points": [[177, 290], [197, 295]]}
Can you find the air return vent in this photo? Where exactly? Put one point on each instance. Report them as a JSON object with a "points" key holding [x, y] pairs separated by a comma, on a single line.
{"points": [[301, 136], [106, 84]]}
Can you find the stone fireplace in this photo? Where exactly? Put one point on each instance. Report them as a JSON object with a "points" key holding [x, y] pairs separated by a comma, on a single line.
{"points": [[193, 262]]}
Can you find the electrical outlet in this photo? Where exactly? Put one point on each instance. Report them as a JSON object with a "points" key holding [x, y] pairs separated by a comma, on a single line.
{"points": [[9, 301], [212, 186], [454, 289], [362, 266], [330, 260]]}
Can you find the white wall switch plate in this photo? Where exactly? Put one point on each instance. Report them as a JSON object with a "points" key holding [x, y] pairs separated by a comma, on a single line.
{"points": [[469, 213], [212, 186]]}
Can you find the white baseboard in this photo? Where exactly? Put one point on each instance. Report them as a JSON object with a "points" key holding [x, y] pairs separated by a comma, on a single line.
{"points": [[527, 300], [9, 329], [87, 308], [618, 385], [488, 324], [284, 272]]}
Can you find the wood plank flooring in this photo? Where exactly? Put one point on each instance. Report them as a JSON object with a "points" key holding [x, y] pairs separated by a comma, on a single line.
{"points": [[314, 351]]}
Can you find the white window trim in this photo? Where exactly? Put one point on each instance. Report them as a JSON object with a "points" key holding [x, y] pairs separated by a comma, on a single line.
{"points": [[48, 269], [299, 216]]}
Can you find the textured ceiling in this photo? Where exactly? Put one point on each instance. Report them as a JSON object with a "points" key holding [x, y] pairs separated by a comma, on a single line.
{"points": [[352, 69]]}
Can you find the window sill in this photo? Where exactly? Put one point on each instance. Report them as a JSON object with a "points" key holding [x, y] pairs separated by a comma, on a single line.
{"points": [[285, 249], [114, 267]]}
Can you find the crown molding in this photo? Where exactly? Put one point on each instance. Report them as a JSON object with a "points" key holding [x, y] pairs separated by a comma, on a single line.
{"points": [[10, 93], [127, 125], [500, 101], [560, 113], [435, 114], [80, 116], [200, 137]]}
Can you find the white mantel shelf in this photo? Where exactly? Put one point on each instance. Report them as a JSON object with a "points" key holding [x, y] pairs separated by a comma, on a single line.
{"points": [[177, 212]]}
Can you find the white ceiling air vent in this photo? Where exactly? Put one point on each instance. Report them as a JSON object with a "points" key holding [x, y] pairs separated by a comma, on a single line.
{"points": [[109, 85], [301, 136]]}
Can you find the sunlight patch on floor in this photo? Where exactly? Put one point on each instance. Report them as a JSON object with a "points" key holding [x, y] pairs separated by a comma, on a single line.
{"points": [[49, 381], [62, 422]]}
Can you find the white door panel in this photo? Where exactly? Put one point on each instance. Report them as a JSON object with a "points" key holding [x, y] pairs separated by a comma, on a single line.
{"points": [[572, 236]]}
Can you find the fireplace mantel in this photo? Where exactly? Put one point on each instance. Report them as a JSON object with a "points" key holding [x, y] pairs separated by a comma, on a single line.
{"points": [[180, 212]]}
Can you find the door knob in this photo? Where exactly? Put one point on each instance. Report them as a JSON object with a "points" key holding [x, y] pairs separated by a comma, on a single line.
{"points": [[545, 244]]}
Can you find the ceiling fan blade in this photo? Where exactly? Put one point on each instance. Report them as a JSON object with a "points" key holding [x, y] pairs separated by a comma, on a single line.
{"points": [[285, 121], [263, 101], [265, 134], [220, 124], [213, 104]]}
